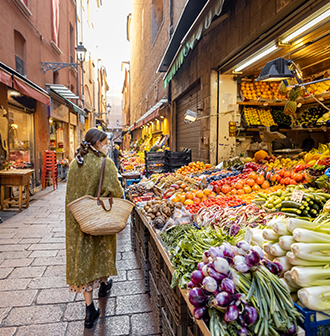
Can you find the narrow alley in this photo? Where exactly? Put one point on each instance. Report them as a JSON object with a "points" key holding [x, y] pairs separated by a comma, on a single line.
{"points": [[35, 299]]}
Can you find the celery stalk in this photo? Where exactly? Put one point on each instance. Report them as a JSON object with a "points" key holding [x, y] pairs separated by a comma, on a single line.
{"points": [[283, 262], [311, 276], [291, 282], [315, 298], [280, 228], [277, 251], [269, 234]]}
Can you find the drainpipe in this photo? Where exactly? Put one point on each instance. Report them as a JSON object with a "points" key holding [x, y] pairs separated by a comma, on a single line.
{"points": [[76, 17]]}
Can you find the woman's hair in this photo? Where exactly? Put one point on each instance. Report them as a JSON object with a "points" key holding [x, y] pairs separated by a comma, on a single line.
{"points": [[92, 136]]}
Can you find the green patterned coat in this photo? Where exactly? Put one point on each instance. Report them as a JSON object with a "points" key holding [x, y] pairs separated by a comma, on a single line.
{"points": [[89, 257]]}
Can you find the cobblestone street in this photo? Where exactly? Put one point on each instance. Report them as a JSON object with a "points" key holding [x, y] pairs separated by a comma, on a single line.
{"points": [[34, 296]]}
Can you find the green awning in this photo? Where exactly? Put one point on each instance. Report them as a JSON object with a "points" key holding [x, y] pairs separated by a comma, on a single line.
{"points": [[211, 9]]}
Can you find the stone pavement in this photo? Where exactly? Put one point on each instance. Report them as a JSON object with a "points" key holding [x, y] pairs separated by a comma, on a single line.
{"points": [[34, 298]]}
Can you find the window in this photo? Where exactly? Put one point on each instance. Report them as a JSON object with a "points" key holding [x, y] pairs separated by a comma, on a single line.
{"points": [[72, 45], [56, 77], [55, 20], [157, 17], [19, 41]]}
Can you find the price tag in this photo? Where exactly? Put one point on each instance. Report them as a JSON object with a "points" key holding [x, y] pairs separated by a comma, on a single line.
{"points": [[248, 235], [297, 196], [210, 187]]}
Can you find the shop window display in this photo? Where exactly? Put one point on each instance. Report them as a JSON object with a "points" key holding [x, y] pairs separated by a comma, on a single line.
{"points": [[21, 138]]}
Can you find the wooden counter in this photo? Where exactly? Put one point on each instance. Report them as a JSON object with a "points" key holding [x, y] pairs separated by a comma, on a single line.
{"points": [[15, 178], [202, 326]]}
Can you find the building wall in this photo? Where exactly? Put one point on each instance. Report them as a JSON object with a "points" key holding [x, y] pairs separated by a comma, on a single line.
{"points": [[36, 31], [248, 21]]}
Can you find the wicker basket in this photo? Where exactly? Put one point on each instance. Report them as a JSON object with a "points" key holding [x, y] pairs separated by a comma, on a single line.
{"points": [[94, 220]]}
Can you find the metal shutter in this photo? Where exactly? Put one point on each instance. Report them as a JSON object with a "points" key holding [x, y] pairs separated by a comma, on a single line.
{"points": [[187, 135]]}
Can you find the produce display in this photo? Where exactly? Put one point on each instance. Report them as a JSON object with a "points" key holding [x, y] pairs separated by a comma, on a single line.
{"points": [[255, 116], [276, 92], [248, 90], [247, 241]]}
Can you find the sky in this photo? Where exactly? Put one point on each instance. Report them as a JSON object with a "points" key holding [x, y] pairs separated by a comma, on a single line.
{"points": [[107, 39]]}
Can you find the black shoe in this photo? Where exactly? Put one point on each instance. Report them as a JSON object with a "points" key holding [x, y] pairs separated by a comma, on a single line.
{"points": [[91, 315], [105, 288]]}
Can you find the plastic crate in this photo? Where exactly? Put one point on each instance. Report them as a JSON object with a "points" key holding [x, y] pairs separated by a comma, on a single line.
{"points": [[311, 326], [131, 181]]}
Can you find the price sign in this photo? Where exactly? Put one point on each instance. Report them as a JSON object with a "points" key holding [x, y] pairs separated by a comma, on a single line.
{"points": [[248, 235], [297, 196], [210, 187]]}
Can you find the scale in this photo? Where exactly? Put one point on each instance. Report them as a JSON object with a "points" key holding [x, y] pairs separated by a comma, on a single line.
{"points": [[267, 136]]}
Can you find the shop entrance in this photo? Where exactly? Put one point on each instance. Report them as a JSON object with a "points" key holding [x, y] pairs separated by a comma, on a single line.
{"points": [[187, 135]]}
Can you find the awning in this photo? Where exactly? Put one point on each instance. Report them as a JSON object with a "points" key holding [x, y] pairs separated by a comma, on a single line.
{"points": [[148, 115], [203, 21], [15, 80], [28, 90], [5, 78], [62, 90], [187, 18], [66, 94]]}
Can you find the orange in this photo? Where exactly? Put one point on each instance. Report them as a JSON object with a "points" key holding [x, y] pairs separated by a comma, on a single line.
{"points": [[196, 200], [207, 192], [182, 199], [189, 195], [199, 194], [188, 201], [176, 199]]}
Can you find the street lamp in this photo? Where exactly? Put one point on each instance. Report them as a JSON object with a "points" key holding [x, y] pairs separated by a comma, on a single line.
{"points": [[81, 54], [108, 108]]}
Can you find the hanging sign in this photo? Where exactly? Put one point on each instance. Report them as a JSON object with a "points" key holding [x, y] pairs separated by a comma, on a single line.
{"points": [[59, 111], [73, 119]]}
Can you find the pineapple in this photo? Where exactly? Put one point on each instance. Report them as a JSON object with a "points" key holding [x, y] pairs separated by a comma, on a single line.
{"points": [[294, 94], [290, 108], [282, 90]]}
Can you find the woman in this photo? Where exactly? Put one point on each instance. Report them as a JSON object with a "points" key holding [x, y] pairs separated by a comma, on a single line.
{"points": [[90, 260], [116, 156]]}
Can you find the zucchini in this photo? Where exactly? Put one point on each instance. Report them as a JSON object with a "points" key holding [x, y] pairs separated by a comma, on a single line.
{"points": [[313, 212], [320, 198], [262, 195], [291, 204], [277, 201], [291, 210], [326, 196], [316, 207], [305, 212]]}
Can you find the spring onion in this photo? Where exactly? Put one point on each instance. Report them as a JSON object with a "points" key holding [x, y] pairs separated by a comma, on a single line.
{"points": [[311, 276], [269, 234], [295, 261], [283, 262], [307, 236], [312, 252], [277, 251], [286, 242], [316, 298]]}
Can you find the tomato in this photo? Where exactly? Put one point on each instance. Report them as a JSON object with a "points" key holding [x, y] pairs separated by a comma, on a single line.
{"points": [[256, 187], [287, 180], [260, 180], [253, 175], [226, 189], [265, 185], [281, 172], [240, 192], [287, 173], [292, 181], [282, 181], [238, 185], [278, 178], [247, 189], [251, 182], [297, 177]]}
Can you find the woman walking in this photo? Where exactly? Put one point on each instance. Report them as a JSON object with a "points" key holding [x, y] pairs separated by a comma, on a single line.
{"points": [[90, 260]]}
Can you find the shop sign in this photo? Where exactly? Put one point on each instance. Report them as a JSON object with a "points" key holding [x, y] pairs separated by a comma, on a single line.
{"points": [[73, 119], [82, 119], [59, 111]]}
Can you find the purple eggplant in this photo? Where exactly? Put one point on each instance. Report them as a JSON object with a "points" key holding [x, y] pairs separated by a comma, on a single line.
{"points": [[197, 297], [231, 313], [228, 286]]}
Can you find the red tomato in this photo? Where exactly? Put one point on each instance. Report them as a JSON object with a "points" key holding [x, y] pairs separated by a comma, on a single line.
{"points": [[281, 172]]}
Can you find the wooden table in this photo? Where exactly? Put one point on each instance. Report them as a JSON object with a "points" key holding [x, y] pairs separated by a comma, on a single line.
{"points": [[15, 178], [202, 326]]}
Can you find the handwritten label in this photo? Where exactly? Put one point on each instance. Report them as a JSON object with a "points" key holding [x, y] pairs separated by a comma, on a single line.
{"points": [[297, 196], [210, 187], [248, 235]]}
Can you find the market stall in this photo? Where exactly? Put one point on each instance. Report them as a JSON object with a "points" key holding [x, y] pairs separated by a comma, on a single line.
{"points": [[237, 249]]}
